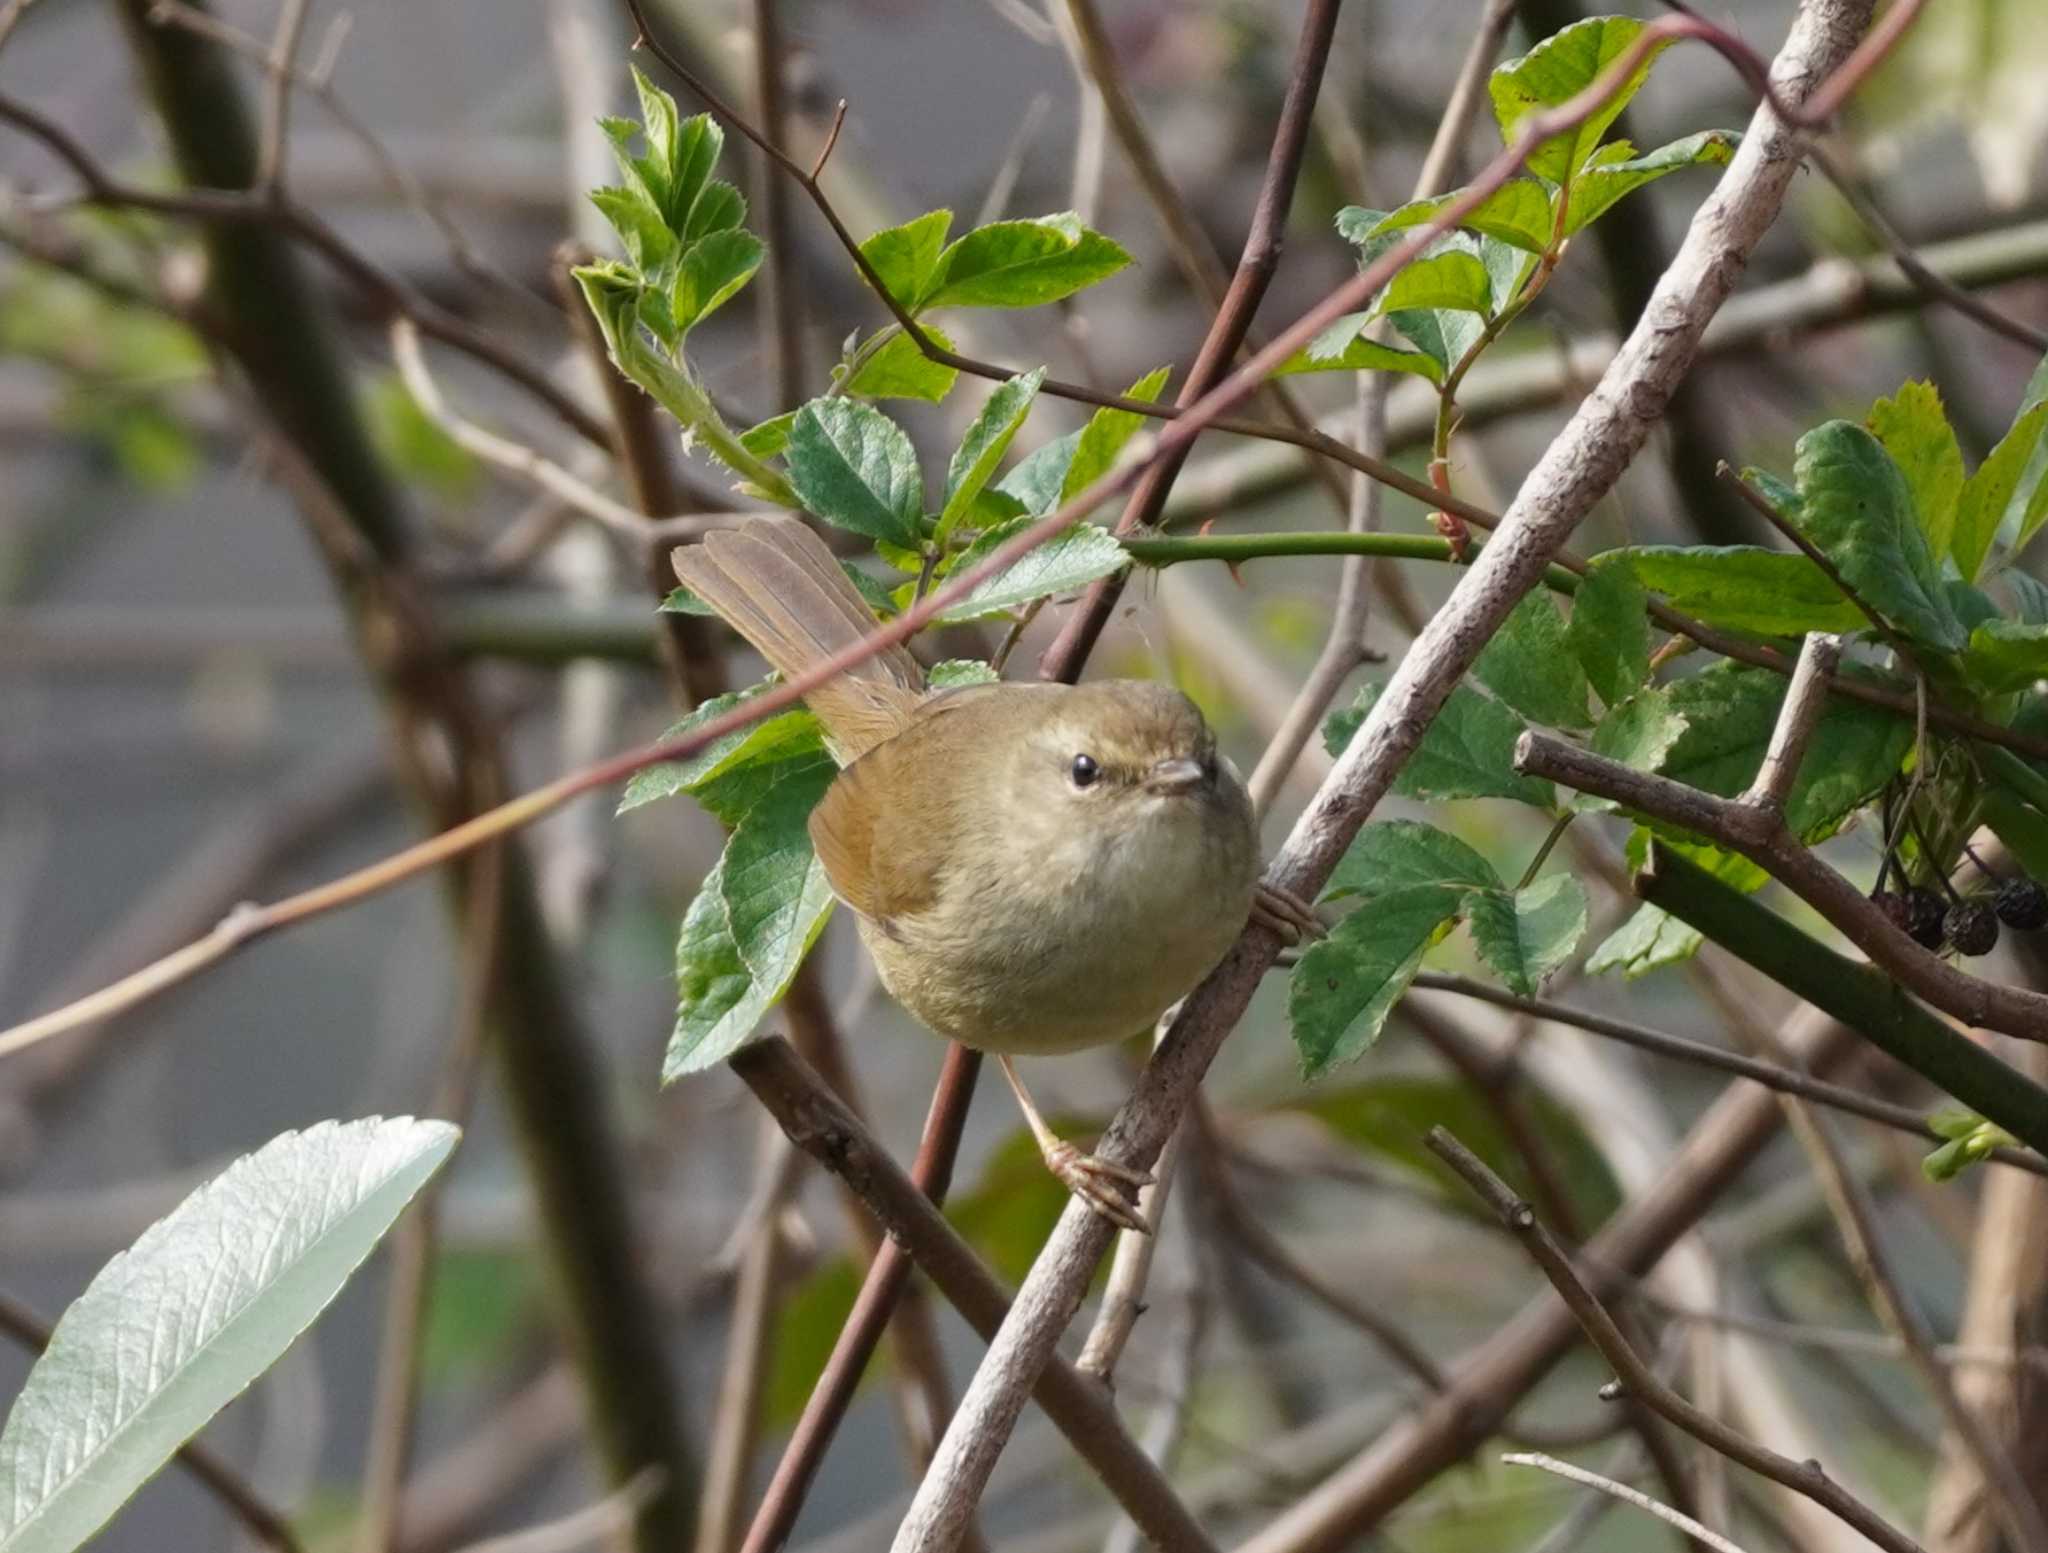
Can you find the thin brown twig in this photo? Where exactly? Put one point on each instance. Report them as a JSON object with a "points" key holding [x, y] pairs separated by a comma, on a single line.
{"points": [[1807, 1478], [1625, 1494], [267, 1525]]}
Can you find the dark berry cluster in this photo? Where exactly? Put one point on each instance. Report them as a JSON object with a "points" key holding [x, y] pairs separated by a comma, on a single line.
{"points": [[1969, 925]]}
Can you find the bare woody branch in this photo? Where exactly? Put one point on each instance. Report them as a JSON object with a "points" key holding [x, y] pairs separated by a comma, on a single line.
{"points": [[1807, 1477]]}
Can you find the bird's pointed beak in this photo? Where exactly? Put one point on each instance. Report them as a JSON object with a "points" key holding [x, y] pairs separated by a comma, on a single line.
{"points": [[1181, 774]]}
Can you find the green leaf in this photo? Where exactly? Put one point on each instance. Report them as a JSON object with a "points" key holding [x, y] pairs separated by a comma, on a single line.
{"points": [[1105, 435], [1468, 751], [1037, 479], [1609, 177], [767, 439], [807, 1324], [900, 370], [1730, 710], [1608, 632], [1986, 494], [1015, 1202], [1650, 939], [1344, 986], [1528, 933], [1343, 347], [959, 671], [1405, 854], [1555, 71], [1913, 428], [718, 1002], [1638, 732], [2005, 655], [906, 256], [1453, 279], [710, 773], [1444, 335], [711, 274], [720, 208], [644, 235], [776, 893], [1518, 212], [1069, 560], [2029, 597], [981, 450], [1530, 666], [2018, 824], [1745, 588], [1021, 264], [1391, 1114], [698, 143], [1857, 509], [174, 1328], [853, 466]]}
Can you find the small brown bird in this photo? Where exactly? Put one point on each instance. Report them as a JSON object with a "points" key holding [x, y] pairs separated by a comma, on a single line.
{"points": [[1035, 868]]}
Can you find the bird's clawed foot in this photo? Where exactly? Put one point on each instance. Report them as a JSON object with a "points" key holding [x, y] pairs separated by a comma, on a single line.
{"points": [[1290, 918], [1107, 1187]]}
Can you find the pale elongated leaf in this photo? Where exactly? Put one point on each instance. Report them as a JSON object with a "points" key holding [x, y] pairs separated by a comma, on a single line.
{"points": [[987, 440], [1105, 435], [1998, 482], [718, 1002], [1915, 431], [176, 1326]]}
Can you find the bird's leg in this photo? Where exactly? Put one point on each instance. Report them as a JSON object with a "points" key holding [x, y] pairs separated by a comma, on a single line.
{"points": [[1290, 918], [1102, 1184]]}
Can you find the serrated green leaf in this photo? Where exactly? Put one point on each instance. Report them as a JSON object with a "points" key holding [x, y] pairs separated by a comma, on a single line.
{"points": [[1530, 666], [766, 439], [729, 774], [1607, 178], [174, 1328], [1973, 606], [1746, 588], [1037, 479], [1453, 280], [1344, 347], [1468, 751], [699, 140], [1344, 986], [1913, 428], [1021, 264], [1518, 212], [776, 893], [982, 448], [900, 370], [1730, 711], [1638, 732], [1857, 509], [1106, 433], [711, 274], [644, 235], [1404, 854], [1988, 493], [853, 466], [906, 256], [959, 671], [1555, 71], [1444, 335], [720, 208], [1069, 560], [1608, 632], [718, 1002], [1649, 939], [2006, 655], [1526, 934]]}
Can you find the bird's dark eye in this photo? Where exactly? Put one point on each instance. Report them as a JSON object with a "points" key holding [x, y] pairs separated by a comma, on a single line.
{"points": [[1084, 771]]}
